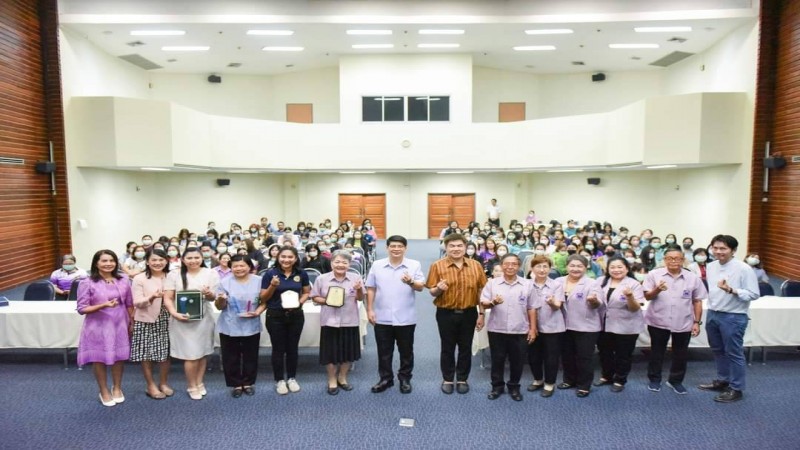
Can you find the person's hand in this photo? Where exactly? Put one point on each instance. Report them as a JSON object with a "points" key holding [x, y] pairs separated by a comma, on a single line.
{"points": [[479, 323], [207, 293], [532, 335], [592, 299], [371, 317], [111, 303], [251, 314], [551, 301], [275, 281], [130, 328], [181, 317], [406, 278], [221, 302], [497, 300], [157, 294], [358, 285], [662, 285], [65, 293], [627, 291], [723, 284], [695, 330], [442, 285]]}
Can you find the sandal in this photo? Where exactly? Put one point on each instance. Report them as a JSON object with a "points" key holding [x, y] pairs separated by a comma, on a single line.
{"points": [[237, 392], [159, 396]]}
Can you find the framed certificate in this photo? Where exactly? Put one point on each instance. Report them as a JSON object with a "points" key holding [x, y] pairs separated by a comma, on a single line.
{"points": [[335, 297], [290, 300], [191, 303]]}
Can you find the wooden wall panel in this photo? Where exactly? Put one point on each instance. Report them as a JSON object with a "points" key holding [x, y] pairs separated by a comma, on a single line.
{"points": [[773, 232], [34, 217]]}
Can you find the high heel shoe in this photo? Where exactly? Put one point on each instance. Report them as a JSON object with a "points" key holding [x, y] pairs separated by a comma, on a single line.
{"points": [[107, 403]]}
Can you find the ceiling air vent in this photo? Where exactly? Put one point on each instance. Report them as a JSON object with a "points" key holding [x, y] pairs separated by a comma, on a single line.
{"points": [[135, 43], [578, 63], [12, 161], [679, 40], [671, 59], [140, 61], [234, 64]]}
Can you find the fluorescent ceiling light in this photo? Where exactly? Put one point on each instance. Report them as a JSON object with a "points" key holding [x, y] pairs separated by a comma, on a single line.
{"points": [[663, 166], [565, 171], [157, 33], [623, 46], [270, 32], [156, 169], [534, 48], [282, 49], [661, 29], [365, 46], [550, 31], [438, 45], [456, 172], [450, 32], [186, 48], [357, 172], [369, 32]]}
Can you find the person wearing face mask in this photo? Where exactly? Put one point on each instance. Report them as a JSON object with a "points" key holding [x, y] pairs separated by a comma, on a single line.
{"points": [[502, 250], [264, 222], [621, 236], [212, 238], [655, 243], [519, 244], [136, 263], [147, 241], [754, 261], [289, 238], [313, 236], [209, 261], [472, 253], [648, 257], [128, 251], [645, 236], [315, 260], [531, 217], [358, 241], [688, 250], [174, 254], [608, 252], [636, 244], [300, 230], [699, 263], [62, 278], [571, 229], [639, 272], [593, 270], [629, 256]]}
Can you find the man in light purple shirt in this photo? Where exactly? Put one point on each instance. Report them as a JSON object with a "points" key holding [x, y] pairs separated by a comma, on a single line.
{"points": [[392, 284], [675, 308], [511, 325]]}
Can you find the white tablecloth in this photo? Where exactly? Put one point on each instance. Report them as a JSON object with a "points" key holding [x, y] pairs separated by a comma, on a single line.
{"points": [[57, 324], [773, 323]]}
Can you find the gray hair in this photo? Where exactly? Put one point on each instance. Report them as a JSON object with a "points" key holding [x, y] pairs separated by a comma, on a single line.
{"points": [[344, 254], [70, 257]]}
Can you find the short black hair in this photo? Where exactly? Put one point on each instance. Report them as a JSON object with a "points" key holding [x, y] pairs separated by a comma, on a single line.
{"points": [[673, 248], [397, 238], [243, 258], [726, 239]]}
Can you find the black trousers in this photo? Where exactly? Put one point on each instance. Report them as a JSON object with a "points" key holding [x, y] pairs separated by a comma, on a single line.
{"points": [[658, 347], [456, 329], [239, 359], [576, 355], [544, 355], [511, 347], [616, 355], [284, 328], [385, 338]]}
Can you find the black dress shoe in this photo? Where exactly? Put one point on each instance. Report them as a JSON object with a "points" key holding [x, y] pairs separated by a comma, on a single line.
{"points": [[729, 396], [345, 386], [333, 390], [601, 382], [447, 388], [582, 393], [462, 387], [249, 390], [236, 393], [547, 393], [533, 387], [716, 386], [405, 387], [566, 385], [382, 386], [495, 394], [515, 394], [616, 387]]}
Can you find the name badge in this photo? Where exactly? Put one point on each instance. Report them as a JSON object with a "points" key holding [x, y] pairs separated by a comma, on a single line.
{"points": [[579, 295], [522, 300], [686, 294], [623, 298]]}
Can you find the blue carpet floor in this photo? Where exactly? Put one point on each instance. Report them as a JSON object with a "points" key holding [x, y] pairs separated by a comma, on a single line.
{"points": [[44, 406]]}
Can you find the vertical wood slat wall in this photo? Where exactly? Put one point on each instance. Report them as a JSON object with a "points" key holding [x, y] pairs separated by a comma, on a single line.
{"points": [[34, 221], [774, 232]]}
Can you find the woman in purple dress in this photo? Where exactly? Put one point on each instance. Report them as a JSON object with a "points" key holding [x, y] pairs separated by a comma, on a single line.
{"points": [[106, 301]]}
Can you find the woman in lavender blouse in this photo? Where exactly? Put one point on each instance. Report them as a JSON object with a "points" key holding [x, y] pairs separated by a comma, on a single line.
{"points": [[62, 278]]}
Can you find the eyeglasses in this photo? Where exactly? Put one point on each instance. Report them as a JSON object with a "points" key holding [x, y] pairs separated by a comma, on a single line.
{"points": [[673, 258]]}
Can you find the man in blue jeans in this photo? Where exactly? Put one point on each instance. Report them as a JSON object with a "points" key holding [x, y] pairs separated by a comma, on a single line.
{"points": [[732, 285]]}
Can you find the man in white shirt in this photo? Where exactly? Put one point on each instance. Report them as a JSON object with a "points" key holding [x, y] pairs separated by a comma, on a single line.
{"points": [[732, 285], [493, 212]]}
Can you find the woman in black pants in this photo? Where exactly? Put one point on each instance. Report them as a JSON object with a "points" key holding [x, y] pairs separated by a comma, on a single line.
{"points": [[285, 288], [545, 352]]}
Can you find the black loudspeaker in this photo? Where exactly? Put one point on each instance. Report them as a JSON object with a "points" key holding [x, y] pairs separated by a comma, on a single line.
{"points": [[598, 77], [775, 162], [593, 181], [223, 181], [214, 79], [45, 167]]}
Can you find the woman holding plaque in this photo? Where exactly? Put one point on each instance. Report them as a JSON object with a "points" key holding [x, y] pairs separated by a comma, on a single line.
{"points": [[339, 292], [285, 289], [105, 299], [238, 326], [191, 332]]}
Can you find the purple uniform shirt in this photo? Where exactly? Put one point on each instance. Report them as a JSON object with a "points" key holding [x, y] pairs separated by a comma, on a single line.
{"points": [[394, 302], [578, 313], [619, 319], [549, 320], [511, 316], [345, 316], [673, 309]]}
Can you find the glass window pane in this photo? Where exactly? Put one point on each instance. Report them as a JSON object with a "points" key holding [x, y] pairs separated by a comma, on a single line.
{"points": [[393, 109], [371, 109], [440, 108], [418, 108]]}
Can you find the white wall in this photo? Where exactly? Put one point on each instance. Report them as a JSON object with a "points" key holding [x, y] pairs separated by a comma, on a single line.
{"points": [[493, 86]]}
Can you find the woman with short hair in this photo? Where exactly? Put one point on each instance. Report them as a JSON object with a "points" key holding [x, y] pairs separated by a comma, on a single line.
{"points": [[62, 278]]}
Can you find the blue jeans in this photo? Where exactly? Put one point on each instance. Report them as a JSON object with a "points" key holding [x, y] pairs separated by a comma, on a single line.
{"points": [[726, 338]]}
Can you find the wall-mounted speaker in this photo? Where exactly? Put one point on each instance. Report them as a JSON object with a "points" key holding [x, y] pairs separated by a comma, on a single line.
{"points": [[593, 181], [775, 162], [598, 77], [223, 181], [45, 167], [214, 79]]}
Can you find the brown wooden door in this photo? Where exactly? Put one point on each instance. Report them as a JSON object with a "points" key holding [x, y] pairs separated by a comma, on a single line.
{"points": [[357, 207], [511, 112], [300, 112], [444, 208]]}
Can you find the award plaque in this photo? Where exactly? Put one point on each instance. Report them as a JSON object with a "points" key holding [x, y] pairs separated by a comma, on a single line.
{"points": [[191, 303], [335, 297], [290, 300]]}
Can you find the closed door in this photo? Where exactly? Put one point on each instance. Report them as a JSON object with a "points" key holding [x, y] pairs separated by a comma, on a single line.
{"points": [[300, 112], [511, 112], [445, 208], [357, 207]]}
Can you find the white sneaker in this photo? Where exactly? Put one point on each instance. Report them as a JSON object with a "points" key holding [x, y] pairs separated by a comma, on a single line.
{"points": [[280, 388], [293, 386]]}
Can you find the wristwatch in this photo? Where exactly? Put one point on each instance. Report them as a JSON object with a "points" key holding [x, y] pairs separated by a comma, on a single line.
{"points": [[698, 322]]}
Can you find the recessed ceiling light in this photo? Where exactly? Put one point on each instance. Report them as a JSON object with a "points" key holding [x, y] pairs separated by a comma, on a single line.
{"points": [[450, 32], [156, 169], [663, 166], [438, 45], [282, 49], [369, 32], [661, 29], [534, 48], [364, 46], [186, 48], [270, 32], [624, 46], [157, 33], [550, 31], [565, 170]]}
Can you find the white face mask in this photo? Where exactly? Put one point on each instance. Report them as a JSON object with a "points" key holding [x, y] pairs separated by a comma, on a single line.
{"points": [[502, 253], [470, 251], [630, 259], [701, 258], [538, 252], [312, 254], [752, 261]]}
